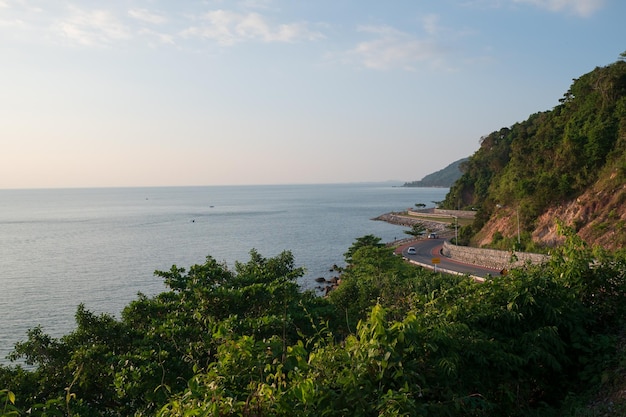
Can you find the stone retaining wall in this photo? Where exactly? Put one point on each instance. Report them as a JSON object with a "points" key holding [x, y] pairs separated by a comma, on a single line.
{"points": [[491, 258]]}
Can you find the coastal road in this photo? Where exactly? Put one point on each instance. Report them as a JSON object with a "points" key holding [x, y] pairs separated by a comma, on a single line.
{"points": [[427, 250]]}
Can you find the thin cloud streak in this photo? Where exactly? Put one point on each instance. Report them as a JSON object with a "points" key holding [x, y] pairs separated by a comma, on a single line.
{"points": [[92, 28], [229, 28], [580, 8], [390, 48], [583, 8], [395, 49]]}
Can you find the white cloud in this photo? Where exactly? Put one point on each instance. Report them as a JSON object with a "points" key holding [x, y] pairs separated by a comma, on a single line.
{"points": [[146, 16], [92, 28], [393, 49], [425, 46], [228, 27], [582, 8]]}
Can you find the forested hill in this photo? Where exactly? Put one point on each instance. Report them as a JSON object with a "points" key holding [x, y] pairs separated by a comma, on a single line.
{"points": [[568, 163], [443, 178]]}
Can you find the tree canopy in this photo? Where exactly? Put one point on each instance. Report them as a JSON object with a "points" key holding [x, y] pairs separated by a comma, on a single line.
{"points": [[391, 340]]}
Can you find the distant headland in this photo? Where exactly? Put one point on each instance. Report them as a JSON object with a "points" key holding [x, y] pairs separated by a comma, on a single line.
{"points": [[443, 178]]}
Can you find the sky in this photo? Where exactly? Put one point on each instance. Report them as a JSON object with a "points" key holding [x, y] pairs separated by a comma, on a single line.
{"points": [[215, 92]]}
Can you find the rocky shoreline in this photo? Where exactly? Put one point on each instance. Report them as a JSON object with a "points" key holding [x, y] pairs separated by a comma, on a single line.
{"points": [[408, 221]]}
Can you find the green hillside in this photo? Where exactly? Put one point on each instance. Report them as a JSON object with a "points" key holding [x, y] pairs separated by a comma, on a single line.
{"points": [[569, 161], [443, 178]]}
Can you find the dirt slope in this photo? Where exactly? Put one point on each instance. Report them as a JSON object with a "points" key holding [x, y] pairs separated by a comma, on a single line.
{"points": [[598, 216]]}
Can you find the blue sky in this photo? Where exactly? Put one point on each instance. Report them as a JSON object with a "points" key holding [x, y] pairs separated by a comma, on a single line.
{"points": [[159, 93]]}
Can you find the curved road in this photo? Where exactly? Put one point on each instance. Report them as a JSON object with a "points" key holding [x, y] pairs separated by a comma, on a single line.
{"points": [[428, 249]]}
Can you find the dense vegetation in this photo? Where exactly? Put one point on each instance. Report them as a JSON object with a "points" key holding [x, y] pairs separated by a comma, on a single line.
{"points": [[391, 340], [553, 156]]}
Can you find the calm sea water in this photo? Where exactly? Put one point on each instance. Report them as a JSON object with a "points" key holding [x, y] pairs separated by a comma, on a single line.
{"points": [[100, 247]]}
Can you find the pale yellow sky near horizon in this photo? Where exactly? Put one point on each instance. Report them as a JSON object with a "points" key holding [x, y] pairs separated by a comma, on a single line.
{"points": [[275, 92]]}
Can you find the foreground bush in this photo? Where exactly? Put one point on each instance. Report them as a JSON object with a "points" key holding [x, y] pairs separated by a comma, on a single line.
{"points": [[392, 340]]}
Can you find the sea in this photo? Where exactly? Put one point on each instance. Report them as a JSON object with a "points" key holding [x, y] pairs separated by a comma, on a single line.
{"points": [[100, 247]]}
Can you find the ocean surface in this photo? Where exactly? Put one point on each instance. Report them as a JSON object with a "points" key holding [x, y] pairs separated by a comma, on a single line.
{"points": [[100, 247]]}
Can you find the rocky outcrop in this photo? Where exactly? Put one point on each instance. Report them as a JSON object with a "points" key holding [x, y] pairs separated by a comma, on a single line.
{"points": [[408, 221], [598, 216]]}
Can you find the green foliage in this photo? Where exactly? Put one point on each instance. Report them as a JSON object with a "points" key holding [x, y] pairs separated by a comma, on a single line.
{"points": [[391, 340], [7, 402], [375, 275], [417, 230], [516, 346], [551, 157], [464, 235], [133, 365], [363, 241]]}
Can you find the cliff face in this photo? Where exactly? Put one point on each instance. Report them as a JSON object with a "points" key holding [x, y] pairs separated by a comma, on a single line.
{"points": [[568, 164], [598, 215]]}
